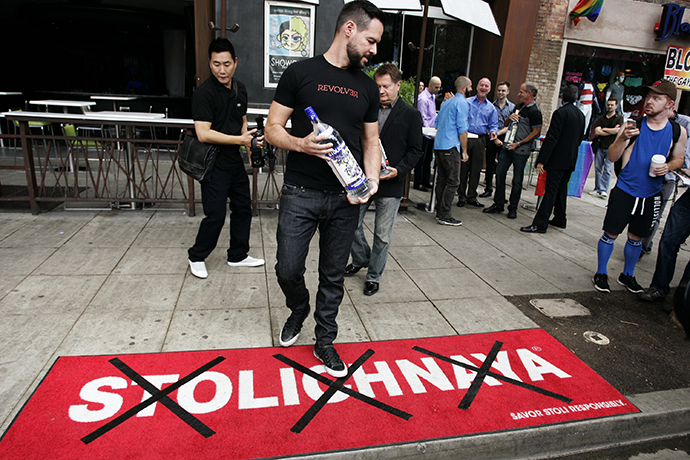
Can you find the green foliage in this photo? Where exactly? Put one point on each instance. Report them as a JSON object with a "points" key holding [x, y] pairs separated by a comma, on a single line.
{"points": [[407, 90], [406, 86]]}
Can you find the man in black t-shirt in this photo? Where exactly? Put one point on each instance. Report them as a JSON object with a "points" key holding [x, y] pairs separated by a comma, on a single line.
{"points": [[219, 108], [312, 197], [605, 127]]}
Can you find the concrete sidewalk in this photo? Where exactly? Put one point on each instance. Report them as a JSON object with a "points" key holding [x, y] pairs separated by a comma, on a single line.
{"points": [[90, 282]]}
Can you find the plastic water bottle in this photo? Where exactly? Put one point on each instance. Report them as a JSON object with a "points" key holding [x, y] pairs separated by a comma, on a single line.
{"points": [[340, 159]]}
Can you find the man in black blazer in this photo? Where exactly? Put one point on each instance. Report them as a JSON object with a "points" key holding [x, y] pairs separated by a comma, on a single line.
{"points": [[558, 156], [400, 132]]}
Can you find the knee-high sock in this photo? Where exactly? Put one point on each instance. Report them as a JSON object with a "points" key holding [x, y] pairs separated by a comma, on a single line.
{"points": [[632, 254], [604, 251]]}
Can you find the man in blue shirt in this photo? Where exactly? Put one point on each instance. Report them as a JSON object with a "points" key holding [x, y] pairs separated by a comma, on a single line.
{"points": [[483, 121], [450, 148]]}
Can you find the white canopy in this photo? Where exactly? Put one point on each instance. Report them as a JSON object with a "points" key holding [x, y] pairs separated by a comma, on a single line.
{"points": [[396, 5], [475, 12]]}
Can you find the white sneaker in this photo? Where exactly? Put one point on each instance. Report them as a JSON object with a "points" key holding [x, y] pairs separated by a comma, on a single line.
{"points": [[603, 195], [249, 261], [595, 193], [198, 269]]}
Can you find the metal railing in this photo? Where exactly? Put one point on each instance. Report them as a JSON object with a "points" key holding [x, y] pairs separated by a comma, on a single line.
{"points": [[115, 161]]}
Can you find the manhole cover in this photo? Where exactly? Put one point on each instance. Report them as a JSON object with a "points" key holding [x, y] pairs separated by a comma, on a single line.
{"points": [[596, 338], [559, 308]]}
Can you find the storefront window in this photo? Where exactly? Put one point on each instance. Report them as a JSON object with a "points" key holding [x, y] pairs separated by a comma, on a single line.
{"points": [[449, 56], [605, 65]]}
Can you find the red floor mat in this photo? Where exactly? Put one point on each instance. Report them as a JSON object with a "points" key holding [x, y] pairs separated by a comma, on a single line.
{"points": [[254, 403]]}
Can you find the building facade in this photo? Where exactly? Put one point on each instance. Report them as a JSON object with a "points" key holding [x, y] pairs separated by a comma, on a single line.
{"points": [[622, 40]]}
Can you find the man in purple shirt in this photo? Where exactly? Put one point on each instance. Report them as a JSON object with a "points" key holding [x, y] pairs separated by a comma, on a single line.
{"points": [[483, 122], [426, 104]]}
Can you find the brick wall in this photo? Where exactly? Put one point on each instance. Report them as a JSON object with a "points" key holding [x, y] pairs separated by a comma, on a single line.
{"points": [[544, 60], [546, 53]]}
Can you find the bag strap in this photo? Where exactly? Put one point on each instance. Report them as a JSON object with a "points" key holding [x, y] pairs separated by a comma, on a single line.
{"points": [[676, 136]]}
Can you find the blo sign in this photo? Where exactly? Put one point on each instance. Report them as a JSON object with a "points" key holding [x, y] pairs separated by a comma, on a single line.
{"points": [[268, 402], [671, 22], [677, 68]]}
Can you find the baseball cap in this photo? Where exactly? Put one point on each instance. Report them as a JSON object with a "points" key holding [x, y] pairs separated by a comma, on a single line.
{"points": [[664, 87]]}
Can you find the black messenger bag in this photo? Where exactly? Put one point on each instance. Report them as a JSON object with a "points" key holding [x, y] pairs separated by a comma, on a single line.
{"points": [[196, 158]]}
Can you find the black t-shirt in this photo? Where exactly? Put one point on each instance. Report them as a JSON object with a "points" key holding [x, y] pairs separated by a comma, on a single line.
{"points": [[342, 98], [224, 108], [604, 122]]}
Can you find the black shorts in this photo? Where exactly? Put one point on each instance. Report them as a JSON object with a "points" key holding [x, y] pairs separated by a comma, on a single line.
{"points": [[637, 214]]}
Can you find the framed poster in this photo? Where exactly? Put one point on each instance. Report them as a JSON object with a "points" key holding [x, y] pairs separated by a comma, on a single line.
{"points": [[289, 37]]}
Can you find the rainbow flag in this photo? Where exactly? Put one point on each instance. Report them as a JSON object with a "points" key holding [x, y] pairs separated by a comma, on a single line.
{"points": [[589, 8]]}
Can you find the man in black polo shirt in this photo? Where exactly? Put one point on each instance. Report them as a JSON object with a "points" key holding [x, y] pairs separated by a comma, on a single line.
{"points": [[606, 128], [219, 108]]}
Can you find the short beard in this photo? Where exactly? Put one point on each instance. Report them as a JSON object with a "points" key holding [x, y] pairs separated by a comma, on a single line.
{"points": [[356, 58], [653, 114]]}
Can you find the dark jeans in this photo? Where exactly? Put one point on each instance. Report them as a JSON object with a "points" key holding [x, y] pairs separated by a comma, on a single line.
{"points": [[505, 159], [675, 233], [472, 169], [447, 180], [233, 184], [555, 199], [492, 151], [302, 212], [422, 172]]}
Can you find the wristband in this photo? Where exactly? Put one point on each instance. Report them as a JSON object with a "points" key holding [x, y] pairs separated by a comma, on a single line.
{"points": [[372, 180]]}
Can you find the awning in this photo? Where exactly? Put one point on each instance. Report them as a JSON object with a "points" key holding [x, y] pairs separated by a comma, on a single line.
{"points": [[475, 12], [435, 12], [396, 5]]}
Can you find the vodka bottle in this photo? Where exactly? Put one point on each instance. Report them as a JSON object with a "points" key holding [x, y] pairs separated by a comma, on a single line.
{"points": [[340, 159], [512, 131], [384, 160]]}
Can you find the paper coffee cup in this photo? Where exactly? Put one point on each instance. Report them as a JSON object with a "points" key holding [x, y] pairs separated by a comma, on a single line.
{"points": [[657, 160]]}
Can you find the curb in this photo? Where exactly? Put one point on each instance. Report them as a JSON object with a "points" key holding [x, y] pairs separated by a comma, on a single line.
{"points": [[664, 414]]}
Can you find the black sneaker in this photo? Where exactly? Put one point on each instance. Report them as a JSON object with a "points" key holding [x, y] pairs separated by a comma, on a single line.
{"points": [[290, 332], [630, 283], [329, 357], [601, 282], [450, 221], [651, 295]]}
